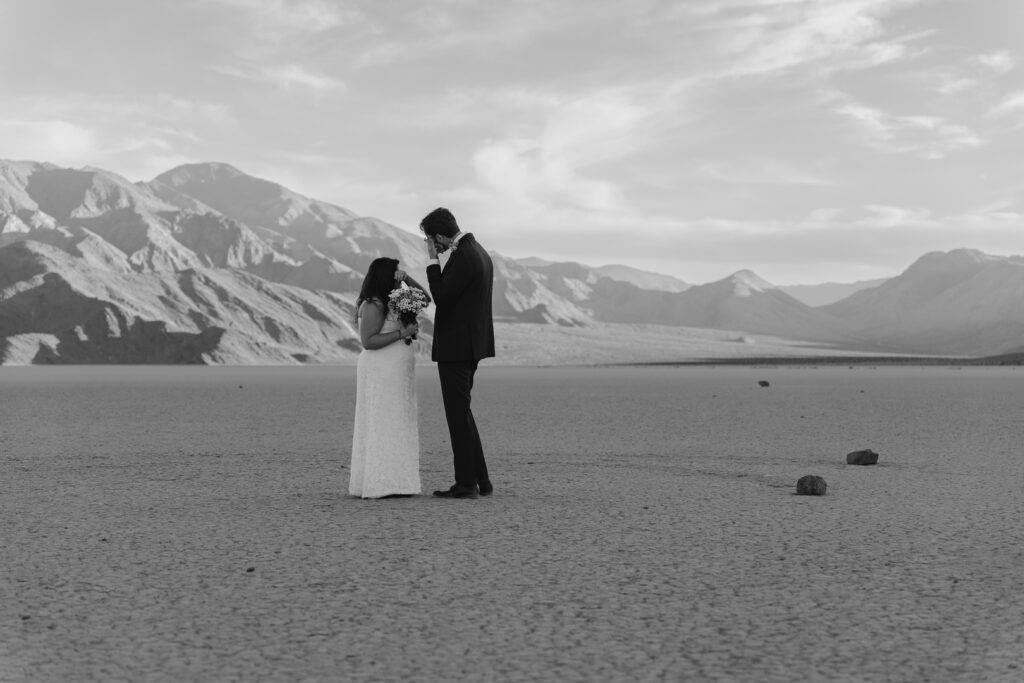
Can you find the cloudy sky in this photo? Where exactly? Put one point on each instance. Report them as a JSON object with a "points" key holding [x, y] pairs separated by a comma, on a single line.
{"points": [[807, 140]]}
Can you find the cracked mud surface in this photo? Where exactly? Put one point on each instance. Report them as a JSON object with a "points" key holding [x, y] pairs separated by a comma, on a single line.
{"points": [[192, 524]]}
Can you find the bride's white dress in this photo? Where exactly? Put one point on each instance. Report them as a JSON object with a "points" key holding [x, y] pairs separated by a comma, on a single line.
{"points": [[386, 437]]}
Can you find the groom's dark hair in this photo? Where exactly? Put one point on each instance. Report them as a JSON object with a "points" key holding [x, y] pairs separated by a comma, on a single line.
{"points": [[440, 221]]}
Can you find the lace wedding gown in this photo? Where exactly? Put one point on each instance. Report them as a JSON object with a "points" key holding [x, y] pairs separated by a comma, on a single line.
{"points": [[386, 437]]}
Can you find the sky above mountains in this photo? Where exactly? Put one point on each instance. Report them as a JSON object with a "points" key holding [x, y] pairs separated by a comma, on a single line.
{"points": [[807, 140]]}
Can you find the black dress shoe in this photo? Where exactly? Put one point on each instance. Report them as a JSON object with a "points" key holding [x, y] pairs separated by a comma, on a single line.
{"points": [[457, 491], [486, 489]]}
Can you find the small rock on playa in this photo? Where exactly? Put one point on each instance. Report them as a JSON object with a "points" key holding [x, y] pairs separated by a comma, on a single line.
{"points": [[811, 485], [863, 457]]}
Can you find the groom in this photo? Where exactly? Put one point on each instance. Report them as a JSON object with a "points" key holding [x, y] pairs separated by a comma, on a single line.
{"points": [[463, 334]]}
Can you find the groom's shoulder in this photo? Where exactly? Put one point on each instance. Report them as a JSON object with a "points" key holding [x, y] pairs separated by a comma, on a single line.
{"points": [[470, 239]]}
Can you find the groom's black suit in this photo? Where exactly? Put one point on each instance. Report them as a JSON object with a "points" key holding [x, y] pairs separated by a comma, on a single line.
{"points": [[463, 335]]}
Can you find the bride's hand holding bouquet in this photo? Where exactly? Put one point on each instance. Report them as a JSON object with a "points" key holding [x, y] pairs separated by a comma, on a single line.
{"points": [[407, 302]]}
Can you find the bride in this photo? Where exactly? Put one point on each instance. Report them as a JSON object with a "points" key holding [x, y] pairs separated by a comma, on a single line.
{"points": [[385, 439]]}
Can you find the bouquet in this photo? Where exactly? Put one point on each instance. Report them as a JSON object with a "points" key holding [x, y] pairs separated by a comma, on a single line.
{"points": [[407, 302]]}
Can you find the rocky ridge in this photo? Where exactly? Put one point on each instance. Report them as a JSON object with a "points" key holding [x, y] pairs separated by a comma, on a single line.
{"points": [[206, 264]]}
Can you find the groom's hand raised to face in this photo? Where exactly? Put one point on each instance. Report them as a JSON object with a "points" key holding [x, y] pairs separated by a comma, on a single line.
{"points": [[431, 247]]}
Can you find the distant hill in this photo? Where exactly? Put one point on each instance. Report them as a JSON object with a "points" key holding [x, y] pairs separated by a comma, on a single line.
{"points": [[641, 278], [207, 264], [744, 301], [961, 302], [533, 262], [59, 308], [828, 292], [740, 302], [202, 264]]}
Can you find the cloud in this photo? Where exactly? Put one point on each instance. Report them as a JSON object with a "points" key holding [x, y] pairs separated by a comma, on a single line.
{"points": [[293, 75], [999, 62], [882, 216], [561, 164], [55, 140], [770, 37], [132, 137], [421, 31], [177, 111], [769, 172], [954, 86], [1011, 103], [285, 77], [957, 78], [929, 137], [274, 17], [137, 153], [523, 172]]}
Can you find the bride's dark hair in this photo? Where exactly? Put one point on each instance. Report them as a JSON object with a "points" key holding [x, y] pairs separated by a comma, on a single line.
{"points": [[378, 283]]}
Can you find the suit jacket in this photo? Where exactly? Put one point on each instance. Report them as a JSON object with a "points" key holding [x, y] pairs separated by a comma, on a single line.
{"points": [[463, 323]]}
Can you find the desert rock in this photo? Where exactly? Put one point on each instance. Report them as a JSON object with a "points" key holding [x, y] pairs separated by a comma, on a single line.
{"points": [[864, 457], [810, 485]]}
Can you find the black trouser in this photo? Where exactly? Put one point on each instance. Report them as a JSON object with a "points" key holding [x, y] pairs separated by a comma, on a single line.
{"points": [[456, 386]]}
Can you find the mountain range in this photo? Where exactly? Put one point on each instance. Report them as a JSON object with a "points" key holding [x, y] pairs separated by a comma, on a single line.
{"points": [[207, 264]]}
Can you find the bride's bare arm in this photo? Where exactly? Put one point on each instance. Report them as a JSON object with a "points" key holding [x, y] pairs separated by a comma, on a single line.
{"points": [[371, 320]]}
